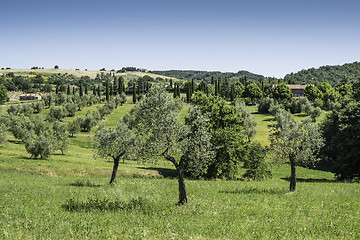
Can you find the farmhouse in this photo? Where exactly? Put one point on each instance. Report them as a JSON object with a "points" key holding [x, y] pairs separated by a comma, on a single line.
{"points": [[297, 90], [29, 96]]}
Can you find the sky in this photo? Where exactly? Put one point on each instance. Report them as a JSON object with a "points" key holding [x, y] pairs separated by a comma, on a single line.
{"points": [[271, 38]]}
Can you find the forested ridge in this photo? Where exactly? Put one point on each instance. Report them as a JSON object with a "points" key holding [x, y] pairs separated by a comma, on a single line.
{"points": [[331, 74], [207, 75]]}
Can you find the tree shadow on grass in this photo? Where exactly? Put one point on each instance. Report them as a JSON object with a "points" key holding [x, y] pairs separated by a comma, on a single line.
{"points": [[269, 120], [93, 204], [253, 190], [82, 183], [315, 180], [22, 157], [16, 141], [165, 172]]}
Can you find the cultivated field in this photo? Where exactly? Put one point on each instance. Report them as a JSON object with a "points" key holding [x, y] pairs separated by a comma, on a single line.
{"points": [[79, 73], [68, 197]]}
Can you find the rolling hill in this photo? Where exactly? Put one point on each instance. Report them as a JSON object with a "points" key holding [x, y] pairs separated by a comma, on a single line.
{"points": [[80, 73], [332, 74]]}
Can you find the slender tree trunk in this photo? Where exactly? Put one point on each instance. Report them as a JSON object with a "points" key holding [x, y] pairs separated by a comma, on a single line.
{"points": [[179, 169], [182, 190], [293, 176], [115, 168]]}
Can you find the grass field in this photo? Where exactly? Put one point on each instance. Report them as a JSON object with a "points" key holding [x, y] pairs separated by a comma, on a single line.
{"points": [[68, 197], [79, 73]]}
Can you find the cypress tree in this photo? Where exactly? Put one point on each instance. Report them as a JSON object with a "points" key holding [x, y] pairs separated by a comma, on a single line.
{"points": [[86, 89], [57, 89], [111, 90], [134, 93], [215, 87], [81, 91], [138, 88], [119, 85], [98, 90], [174, 91], [232, 92], [107, 90], [114, 87], [171, 83], [219, 86], [178, 90], [188, 92], [192, 86], [68, 89], [94, 91]]}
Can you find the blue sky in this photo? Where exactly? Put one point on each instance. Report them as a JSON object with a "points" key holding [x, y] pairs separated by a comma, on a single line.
{"points": [[271, 38]]}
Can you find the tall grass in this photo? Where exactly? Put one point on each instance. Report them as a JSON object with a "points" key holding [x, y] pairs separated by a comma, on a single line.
{"points": [[68, 197]]}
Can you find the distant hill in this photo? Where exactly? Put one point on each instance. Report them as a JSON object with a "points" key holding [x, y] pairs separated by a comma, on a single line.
{"points": [[80, 73], [199, 75], [331, 74]]}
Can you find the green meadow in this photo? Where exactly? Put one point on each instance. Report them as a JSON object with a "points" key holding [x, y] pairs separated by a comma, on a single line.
{"points": [[69, 197]]}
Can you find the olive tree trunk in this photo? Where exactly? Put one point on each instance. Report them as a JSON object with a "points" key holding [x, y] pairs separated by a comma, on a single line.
{"points": [[180, 172], [182, 190], [115, 168], [293, 176]]}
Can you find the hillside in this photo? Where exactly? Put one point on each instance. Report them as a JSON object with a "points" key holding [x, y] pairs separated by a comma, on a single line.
{"points": [[331, 74], [199, 75], [80, 73]]}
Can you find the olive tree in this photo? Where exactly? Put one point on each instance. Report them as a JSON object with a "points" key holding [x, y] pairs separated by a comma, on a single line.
{"points": [[39, 145], [3, 129], [249, 122], [114, 143], [295, 142], [60, 134], [155, 119]]}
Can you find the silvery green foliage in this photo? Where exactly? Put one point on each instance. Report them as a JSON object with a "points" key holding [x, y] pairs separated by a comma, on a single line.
{"points": [[294, 141], [156, 120], [114, 142], [20, 126], [60, 134], [199, 152], [2, 132], [41, 145], [275, 107], [249, 122], [119, 100]]}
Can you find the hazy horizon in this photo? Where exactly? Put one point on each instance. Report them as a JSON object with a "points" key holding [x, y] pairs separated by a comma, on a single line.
{"points": [[270, 38]]}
